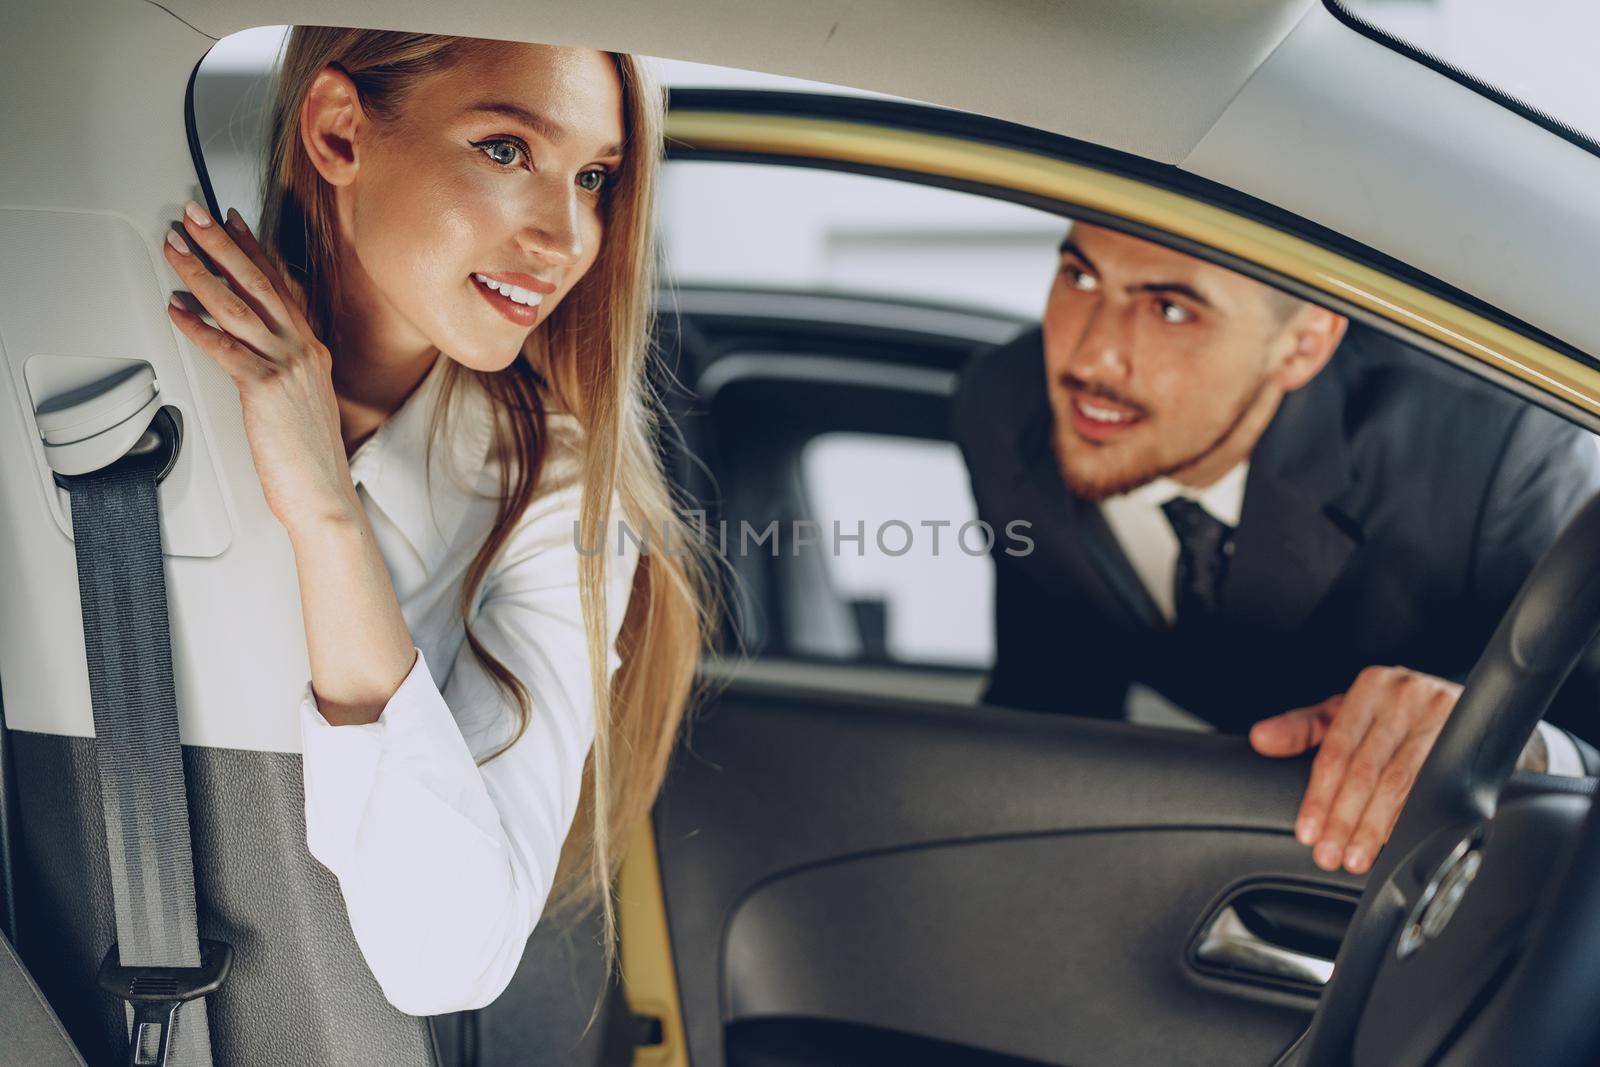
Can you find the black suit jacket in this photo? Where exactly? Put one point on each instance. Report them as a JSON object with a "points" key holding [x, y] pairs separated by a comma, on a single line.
{"points": [[1392, 510]]}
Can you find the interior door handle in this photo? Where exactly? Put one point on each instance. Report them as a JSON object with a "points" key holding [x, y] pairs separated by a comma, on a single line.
{"points": [[1227, 942]]}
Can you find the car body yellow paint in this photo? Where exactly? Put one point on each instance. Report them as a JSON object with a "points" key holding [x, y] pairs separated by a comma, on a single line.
{"points": [[649, 982], [1075, 184]]}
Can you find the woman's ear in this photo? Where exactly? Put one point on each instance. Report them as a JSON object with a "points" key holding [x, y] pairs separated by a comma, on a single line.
{"points": [[330, 122], [1315, 333]]}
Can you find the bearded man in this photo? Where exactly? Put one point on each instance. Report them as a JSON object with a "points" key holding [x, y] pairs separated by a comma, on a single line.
{"points": [[1286, 523]]}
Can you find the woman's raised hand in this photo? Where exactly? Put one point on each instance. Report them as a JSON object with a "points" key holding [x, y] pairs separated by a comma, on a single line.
{"points": [[283, 371]]}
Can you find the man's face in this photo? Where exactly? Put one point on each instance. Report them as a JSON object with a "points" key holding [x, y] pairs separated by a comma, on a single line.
{"points": [[1157, 363]]}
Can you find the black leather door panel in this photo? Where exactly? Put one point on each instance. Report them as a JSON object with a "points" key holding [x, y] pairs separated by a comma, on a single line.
{"points": [[1032, 935], [1010, 882], [824, 1043]]}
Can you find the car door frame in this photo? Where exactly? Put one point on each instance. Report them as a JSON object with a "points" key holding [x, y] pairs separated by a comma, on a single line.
{"points": [[1075, 179]]}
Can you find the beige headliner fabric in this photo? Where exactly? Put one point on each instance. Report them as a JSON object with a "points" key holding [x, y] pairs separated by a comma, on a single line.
{"points": [[1144, 76]]}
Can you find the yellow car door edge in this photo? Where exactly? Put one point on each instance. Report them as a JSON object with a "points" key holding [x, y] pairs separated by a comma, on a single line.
{"points": [[1549, 371], [649, 982]]}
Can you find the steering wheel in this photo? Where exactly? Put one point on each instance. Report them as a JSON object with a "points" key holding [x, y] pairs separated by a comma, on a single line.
{"points": [[1477, 938]]}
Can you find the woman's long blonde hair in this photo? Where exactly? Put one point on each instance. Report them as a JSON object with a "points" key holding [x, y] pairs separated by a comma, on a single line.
{"points": [[596, 347]]}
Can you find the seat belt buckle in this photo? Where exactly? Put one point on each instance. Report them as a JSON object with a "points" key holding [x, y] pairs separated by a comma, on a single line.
{"points": [[157, 993]]}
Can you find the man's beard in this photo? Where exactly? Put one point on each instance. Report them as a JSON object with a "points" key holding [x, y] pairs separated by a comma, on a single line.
{"points": [[1096, 491]]}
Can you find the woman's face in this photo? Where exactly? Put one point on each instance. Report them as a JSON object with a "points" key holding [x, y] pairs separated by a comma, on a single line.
{"points": [[466, 218]]}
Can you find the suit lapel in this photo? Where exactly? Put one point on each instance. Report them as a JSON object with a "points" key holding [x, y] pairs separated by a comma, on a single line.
{"points": [[1294, 538], [1108, 559], [1075, 533]]}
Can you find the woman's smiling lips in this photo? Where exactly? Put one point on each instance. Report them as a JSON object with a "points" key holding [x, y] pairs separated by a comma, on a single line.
{"points": [[515, 296], [1099, 420]]}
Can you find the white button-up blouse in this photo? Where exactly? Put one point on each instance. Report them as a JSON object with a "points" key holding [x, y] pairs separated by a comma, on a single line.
{"points": [[445, 865]]}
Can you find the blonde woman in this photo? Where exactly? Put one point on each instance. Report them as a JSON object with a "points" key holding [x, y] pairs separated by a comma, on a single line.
{"points": [[440, 348]]}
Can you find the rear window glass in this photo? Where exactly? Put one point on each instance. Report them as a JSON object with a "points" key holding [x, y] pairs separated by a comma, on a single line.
{"points": [[1538, 52], [722, 225], [932, 596]]}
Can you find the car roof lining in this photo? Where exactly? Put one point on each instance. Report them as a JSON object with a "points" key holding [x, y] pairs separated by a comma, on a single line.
{"points": [[1144, 76]]}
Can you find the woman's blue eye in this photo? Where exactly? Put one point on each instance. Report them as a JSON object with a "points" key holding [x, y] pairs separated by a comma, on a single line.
{"points": [[505, 153], [599, 180]]}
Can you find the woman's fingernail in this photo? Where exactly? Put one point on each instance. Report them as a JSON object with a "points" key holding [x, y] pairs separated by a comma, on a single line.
{"points": [[235, 221], [1326, 856], [1305, 831], [179, 245], [1355, 860], [175, 302], [197, 214]]}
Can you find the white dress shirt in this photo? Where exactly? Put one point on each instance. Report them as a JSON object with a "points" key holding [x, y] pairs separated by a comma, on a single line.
{"points": [[1148, 540], [445, 866]]}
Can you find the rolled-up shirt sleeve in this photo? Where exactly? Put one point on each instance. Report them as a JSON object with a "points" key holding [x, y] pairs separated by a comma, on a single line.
{"points": [[445, 865], [1561, 752]]}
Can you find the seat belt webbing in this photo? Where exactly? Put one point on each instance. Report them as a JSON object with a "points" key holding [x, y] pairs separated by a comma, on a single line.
{"points": [[122, 587]]}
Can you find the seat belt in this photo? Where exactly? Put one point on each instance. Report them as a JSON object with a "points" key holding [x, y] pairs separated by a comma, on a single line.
{"points": [[158, 962]]}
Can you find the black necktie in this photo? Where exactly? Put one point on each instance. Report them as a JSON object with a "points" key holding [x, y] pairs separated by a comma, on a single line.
{"points": [[1203, 550]]}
